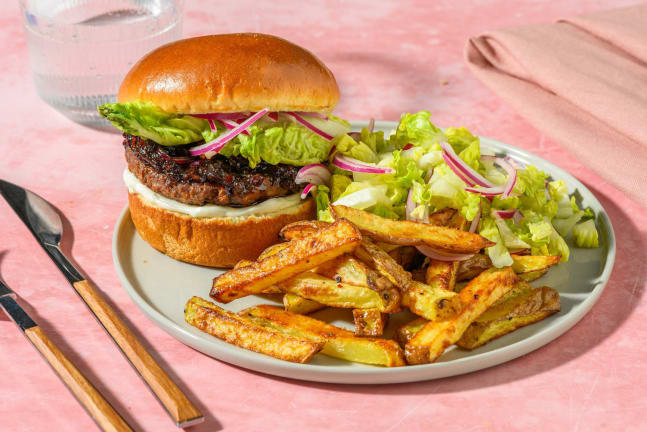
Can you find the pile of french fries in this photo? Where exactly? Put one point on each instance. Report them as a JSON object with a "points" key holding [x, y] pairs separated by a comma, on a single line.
{"points": [[369, 264]]}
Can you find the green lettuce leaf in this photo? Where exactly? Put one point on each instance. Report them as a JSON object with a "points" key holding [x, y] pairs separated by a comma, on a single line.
{"points": [[146, 120], [586, 235], [498, 253], [338, 185], [285, 143], [322, 200], [273, 142], [416, 129], [347, 146]]}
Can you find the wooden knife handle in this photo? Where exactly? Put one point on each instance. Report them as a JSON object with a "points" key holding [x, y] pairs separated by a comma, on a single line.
{"points": [[100, 410], [168, 393]]}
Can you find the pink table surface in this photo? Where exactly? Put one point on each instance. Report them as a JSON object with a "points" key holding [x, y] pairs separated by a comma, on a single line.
{"points": [[388, 57]]}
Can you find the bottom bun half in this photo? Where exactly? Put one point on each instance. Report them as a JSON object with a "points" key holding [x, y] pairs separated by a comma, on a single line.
{"points": [[213, 242]]}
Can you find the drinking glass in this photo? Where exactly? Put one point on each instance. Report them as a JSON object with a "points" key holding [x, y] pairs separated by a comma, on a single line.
{"points": [[80, 50]]}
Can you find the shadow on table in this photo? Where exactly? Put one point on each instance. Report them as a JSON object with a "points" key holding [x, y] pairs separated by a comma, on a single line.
{"points": [[616, 304]]}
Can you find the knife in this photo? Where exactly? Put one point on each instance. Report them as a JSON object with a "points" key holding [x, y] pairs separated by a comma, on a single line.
{"points": [[45, 224], [99, 409]]}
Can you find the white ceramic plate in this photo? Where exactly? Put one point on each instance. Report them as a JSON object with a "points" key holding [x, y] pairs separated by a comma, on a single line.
{"points": [[160, 286]]}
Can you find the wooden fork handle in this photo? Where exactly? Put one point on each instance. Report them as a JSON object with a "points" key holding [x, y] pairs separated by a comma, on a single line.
{"points": [[101, 411], [180, 408]]}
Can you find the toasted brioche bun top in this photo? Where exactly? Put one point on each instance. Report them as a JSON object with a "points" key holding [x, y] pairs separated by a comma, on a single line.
{"points": [[231, 73]]}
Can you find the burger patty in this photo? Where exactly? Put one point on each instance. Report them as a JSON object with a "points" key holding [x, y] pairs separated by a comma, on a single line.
{"points": [[225, 181]]}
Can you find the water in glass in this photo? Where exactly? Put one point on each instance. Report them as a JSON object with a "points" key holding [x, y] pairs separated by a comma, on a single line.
{"points": [[80, 50]]}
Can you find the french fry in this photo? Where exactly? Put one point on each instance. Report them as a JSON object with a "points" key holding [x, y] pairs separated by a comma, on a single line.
{"points": [[369, 322], [338, 343], [329, 292], [472, 267], [299, 256], [531, 276], [522, 306], [443, 273], [405, 256], [431, 302], [418, 274], [442, 217], [349, 270], [383, 263], [410, 233], [532, 263], [247, 333], [272, 250], [297, 304], [387, 247], [483, 291], [269, 290], [407, 331], [300, 229]]}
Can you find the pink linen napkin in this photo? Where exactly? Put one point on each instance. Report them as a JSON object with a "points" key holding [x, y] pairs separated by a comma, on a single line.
{"points": [[583, 82]]}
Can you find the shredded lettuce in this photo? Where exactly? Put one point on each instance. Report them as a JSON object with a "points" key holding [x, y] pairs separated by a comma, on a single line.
{"points": [[416, 129], [338, 185], [586, 235], [498, 253], [549, 212], [146, 120], [283, 142], [322, 200]]}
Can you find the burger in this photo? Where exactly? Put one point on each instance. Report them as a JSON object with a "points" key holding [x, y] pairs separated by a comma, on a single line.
{"points": [[222, 135]]}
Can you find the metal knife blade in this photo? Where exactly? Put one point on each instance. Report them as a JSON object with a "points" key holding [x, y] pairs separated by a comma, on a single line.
{"points": [[13, 309], [43, 221]]}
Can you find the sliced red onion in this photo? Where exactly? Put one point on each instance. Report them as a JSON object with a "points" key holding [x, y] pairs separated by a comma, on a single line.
{"points": [[230, 124], [515, 163], [442, 256], [517, 217], [459, 164], [475, 222], [274, 116], [307, 190], [314, 173], [371, 124], [512, 174], [313, 114], [459, 173], [520, 252], [354, 165], [513, 214], [487, 192], [221, 116], [355, 135], [310, 126], [219, 142], [407, 146], [411, 206], [430, 173], [504, 214]]}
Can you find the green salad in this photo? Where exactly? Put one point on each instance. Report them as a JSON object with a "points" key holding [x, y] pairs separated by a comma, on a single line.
{"points": [[416, 171], [421, 169]]}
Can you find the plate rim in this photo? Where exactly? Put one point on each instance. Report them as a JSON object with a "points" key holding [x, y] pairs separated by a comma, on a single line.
{"points": [[380, 375]]}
